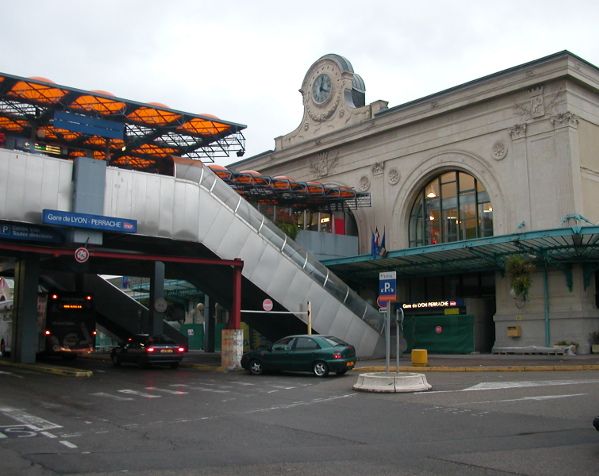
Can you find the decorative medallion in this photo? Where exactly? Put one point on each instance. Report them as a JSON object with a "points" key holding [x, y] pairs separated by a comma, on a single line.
{"points": [[394, 176], [364, 184], [499, 150]]}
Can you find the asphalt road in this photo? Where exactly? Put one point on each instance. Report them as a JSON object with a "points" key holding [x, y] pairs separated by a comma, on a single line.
{"points": [[185, 421]]}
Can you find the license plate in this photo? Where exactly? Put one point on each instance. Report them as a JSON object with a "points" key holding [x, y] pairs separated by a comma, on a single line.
{"points": [[166, 350], [349, 364]]}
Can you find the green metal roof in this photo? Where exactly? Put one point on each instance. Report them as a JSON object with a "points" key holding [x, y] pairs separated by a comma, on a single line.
{"points": [[555, 247]]}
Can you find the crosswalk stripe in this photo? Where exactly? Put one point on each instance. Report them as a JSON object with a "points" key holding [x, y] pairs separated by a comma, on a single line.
{"points": [[166, 390], [108, 395], [128, 391]]}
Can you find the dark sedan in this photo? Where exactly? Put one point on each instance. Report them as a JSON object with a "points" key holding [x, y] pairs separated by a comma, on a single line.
{"points": [[318, 354], [145, 350]]}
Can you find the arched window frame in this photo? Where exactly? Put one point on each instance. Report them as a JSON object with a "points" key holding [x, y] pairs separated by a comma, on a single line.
{"points": [[452, 206]]}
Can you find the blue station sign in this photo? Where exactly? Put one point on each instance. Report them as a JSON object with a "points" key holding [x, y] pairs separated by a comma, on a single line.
{"points": [[388, 286], [26, 232], [91, 222]]}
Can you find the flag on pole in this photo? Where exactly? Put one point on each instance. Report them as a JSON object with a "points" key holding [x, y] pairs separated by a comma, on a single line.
{"points": [[381, 247]]}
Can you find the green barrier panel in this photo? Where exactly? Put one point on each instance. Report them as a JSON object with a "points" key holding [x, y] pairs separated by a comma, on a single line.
{"points": [[195, 335], [440, 334]]}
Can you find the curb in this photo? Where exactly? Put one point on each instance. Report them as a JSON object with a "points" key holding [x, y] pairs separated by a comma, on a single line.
{"points": [[48, 369], [503, 368], [211, 368]]}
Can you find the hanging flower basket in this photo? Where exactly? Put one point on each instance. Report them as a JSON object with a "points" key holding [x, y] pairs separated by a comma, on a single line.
{"points": [[518, 270]]}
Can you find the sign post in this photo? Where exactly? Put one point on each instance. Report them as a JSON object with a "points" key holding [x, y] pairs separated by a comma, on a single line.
{"points": [[388, 293]]}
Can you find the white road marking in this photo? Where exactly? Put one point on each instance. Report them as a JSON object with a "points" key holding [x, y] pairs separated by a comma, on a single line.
{"points": [[166, 390], [283, 387], [525, 384], [128, 391], [34, 422], [68, 444], [505, 385], [4, 372], [301, 403], [538, 398], [48, 434], [112, 397], [201, 389]]}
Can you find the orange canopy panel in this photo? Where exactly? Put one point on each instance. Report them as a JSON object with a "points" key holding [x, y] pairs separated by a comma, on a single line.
{"points": [[92, 123], [12, 125], [220, 171], [153, 117], [89, 102], [315, 188], [41, 93], [50, 132], [257, 177], [203, 127], [282, 182], [154, 150]]}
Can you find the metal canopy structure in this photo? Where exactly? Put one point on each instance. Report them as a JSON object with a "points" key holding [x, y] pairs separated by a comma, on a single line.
{"points": [[285, 191], [37, 114], [554, 247]]}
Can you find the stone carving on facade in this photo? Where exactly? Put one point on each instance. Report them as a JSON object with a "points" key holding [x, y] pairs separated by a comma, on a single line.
{"points": [[537, 105], [364, 184], [565, 119], [499, 150], [518, 131], [324, 163], [378, 168], [533, 108], [394, 176]]}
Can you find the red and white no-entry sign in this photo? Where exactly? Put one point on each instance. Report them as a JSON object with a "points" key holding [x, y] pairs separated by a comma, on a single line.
{"points": [[267, 304]]}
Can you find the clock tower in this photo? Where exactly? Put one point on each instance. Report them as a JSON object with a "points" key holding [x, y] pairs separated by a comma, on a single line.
{"points": [[334, 97]]}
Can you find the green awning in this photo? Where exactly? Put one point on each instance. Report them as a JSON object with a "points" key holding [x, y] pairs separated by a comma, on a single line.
{"points": [[554, 247]]}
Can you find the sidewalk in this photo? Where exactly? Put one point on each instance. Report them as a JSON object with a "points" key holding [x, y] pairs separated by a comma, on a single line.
{"points": [[485, 363], [445, 363], [211, 361]]}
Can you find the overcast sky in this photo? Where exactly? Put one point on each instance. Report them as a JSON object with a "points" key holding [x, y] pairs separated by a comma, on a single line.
{"points": [[245, 60]]}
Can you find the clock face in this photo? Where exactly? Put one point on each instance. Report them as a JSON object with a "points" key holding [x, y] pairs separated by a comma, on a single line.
{"points": [[321, 89]]}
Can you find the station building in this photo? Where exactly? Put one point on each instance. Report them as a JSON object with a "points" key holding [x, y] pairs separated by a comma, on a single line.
{"points": [[483, 197]]}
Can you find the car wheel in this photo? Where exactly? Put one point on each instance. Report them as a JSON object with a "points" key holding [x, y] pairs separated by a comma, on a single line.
{"points": [[2, 347], [320, 369], [255, 367], [174, 365], [115, 360], [341, 372]]}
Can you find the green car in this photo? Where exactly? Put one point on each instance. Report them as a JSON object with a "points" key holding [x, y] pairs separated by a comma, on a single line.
{"points": [[318, 354]]}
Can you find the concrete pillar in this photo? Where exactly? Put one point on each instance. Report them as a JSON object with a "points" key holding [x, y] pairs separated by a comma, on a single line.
{"points": [[25, 333], [209, 324], [157, 302]]}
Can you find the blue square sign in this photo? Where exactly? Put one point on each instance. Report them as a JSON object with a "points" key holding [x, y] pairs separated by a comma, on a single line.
{"points": [[388, 284]]}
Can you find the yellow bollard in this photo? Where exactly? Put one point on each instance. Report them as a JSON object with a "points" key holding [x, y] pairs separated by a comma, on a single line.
{"points": [[419, 357]]}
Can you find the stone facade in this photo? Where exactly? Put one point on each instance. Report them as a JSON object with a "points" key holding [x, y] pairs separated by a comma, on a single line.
{"points": [[530, 134]]}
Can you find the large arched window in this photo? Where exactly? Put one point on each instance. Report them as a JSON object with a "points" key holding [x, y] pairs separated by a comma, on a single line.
{"points": [[453, 206]]}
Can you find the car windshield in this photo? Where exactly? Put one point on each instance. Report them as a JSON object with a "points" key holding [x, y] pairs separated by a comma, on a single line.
{"points": [[334, 341], [160, 340]]}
